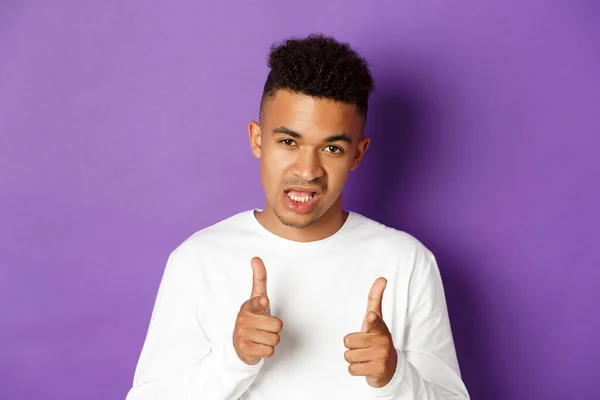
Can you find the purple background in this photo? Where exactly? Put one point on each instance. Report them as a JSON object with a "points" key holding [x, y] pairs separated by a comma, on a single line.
{"points": [[123, 131]]}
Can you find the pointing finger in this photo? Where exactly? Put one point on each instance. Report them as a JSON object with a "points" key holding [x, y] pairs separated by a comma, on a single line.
{"points": [[260, 304], [373, 323]]}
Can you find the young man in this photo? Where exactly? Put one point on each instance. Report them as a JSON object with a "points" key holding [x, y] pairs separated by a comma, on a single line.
{"points": [[218, 331]]}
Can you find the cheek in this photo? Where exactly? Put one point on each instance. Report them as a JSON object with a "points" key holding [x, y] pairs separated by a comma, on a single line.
{"points": [[280, 159], [337, 173], [274, 165]]}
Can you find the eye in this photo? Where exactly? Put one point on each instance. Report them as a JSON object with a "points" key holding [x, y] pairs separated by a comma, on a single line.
{"points": [[287, 142], [334, 149]]}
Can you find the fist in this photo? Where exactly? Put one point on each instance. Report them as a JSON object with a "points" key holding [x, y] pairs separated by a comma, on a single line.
{"points": [[371, 352], [256, 332]]}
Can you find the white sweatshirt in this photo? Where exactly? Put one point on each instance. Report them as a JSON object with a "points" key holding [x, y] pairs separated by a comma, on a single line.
{"points": [[319, 290]]}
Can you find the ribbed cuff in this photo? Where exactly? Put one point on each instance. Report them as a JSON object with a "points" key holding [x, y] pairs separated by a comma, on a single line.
{"points": [[226, 352], [394, 385]]}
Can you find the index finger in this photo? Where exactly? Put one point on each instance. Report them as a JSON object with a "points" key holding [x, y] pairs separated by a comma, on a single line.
{"points": [[259, 305]]}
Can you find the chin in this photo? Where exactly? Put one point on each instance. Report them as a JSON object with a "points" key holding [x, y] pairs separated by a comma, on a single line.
{"points": [[295, 220]]}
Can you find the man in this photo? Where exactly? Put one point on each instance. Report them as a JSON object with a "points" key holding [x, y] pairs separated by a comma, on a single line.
{"points": [[218, 331]]}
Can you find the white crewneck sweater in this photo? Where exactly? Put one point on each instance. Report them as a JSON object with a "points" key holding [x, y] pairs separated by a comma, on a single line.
{"points": [[319, 290]]}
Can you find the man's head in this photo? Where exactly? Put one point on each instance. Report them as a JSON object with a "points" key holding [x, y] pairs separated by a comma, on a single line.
{"points": [[310, 136]]}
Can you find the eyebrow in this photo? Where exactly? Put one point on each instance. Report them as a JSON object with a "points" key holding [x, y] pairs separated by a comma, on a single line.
{"points": [[339, 137]]}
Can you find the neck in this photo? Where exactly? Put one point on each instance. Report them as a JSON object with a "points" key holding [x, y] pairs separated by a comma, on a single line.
{"points": [[326, 226]]}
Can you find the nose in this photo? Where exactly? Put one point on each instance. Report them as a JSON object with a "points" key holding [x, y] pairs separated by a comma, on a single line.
{"points": [[308, 165]]}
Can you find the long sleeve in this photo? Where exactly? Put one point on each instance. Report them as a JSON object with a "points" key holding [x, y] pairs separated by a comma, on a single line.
{"points": [[427, 367], [177, 360]]}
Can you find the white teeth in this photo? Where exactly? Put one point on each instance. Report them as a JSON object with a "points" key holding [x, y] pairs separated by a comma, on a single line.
{"points": [[300, 199]]}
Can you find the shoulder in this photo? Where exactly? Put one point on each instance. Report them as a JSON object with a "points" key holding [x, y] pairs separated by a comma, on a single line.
{"points": [[416, 263], [391, 240], [211, 238]]}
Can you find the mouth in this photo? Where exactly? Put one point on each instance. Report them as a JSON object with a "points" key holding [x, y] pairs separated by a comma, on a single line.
{"points": [[300, 201]]}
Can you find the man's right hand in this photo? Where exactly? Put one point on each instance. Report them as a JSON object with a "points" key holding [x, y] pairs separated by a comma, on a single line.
{"points": [[256, 332]]}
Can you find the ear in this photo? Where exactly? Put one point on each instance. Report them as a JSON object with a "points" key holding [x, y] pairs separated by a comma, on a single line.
{"points": [[361, 148], [255, 135]]}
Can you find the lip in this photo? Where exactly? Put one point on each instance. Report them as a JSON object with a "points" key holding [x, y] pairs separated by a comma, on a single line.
{"points": [[314, 190], [300, 208]]}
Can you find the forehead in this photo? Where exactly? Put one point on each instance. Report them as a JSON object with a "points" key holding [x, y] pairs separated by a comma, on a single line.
{"points": [[311, 116]]}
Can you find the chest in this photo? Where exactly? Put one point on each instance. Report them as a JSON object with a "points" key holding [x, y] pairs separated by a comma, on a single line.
{"points": [[320, 299]]}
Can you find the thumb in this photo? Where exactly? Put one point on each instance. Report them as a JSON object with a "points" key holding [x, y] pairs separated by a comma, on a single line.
{"points": [[259, 277], [374, 302]]}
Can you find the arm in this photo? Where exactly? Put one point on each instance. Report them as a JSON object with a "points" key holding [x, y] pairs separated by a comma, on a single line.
{"points": [[177, 360], [427, 367]]}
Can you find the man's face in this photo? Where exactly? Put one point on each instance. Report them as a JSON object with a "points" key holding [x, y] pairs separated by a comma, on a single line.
{"points": [[307, 147]]}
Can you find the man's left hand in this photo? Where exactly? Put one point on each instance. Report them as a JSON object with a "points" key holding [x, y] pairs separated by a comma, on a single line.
{"points": [[371, 351]]}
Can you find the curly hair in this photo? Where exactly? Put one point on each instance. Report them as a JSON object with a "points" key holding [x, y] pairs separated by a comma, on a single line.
{"points": [[321, 67]]}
